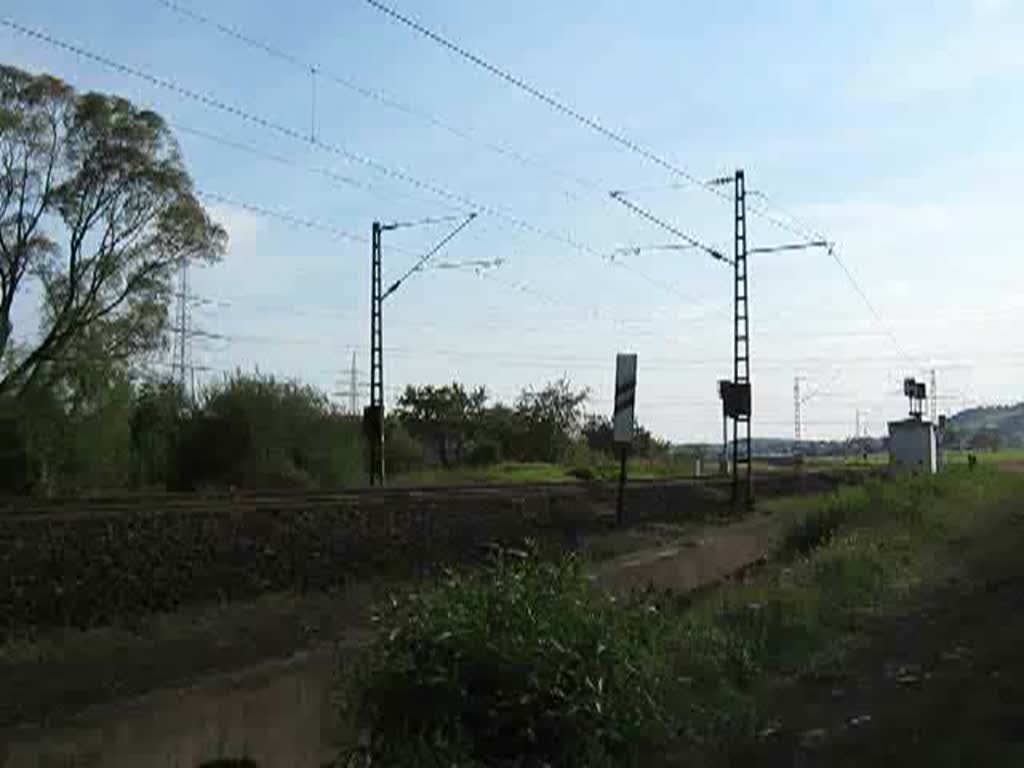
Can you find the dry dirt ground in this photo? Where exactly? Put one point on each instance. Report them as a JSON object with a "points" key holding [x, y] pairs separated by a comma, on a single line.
{"points": [[686, 559], [60, 675], [941, 684]]}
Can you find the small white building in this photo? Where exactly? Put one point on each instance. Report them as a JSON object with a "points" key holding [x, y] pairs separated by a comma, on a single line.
{"points": [[912, 446]]}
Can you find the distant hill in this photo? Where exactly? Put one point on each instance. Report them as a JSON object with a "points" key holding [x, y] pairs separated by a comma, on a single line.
{"points": [[1005, 420]]}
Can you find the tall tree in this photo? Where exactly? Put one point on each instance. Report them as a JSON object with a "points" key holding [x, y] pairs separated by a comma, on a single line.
{"points": [[97, 209]]}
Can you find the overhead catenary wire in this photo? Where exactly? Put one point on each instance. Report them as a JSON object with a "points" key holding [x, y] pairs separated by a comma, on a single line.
{"points": [[558, 359], [295, 60], [538, 94], [424, 222], [693, 242], [833, 250], [634, 326], [559, 105], [275, 127], [381, 97], [620, 139], [334, 177], [476, 264], [427, 256], [482, 267], [298, 221], [790, 247], [242, 114], [638, 249]]}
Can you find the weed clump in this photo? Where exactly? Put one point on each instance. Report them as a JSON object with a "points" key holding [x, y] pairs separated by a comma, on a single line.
{"points": [[524, 664]]}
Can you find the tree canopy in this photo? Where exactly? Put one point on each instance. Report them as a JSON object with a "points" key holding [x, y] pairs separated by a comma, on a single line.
{"points": [[446, 415], [97, 209]]}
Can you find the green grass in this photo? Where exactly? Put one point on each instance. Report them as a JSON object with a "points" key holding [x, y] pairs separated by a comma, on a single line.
{"points": [[844, 558], [986, 457], [513, 472], [857, 555], [855, 460], [504, 472], [655, 469]]}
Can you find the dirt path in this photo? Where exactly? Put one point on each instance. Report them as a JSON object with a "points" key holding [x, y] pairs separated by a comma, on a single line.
{"points": [[940, 685], [53, 679], [690, 558]]}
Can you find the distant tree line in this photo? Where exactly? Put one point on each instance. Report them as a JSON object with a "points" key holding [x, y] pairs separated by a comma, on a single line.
{"points": [[457, 427], [101, 430], [247, 431]]}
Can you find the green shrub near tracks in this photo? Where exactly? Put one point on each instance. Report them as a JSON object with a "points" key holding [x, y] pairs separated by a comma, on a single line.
{"points": [[524, 664], [500, 668]]}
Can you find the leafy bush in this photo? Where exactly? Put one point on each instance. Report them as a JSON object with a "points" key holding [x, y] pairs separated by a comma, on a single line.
{"points": [[817, 527], [586, 474], [521, 665], [67, 438], [402, 453], [485, 452], [257, 432], [587, 464]]}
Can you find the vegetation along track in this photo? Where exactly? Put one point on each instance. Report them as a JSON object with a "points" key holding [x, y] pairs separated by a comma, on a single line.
{"points": [[216, 588]]}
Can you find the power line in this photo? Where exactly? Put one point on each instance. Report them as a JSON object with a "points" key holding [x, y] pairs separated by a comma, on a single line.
{"points": [[558, 358], [337, 179], [378, 96], [560, 106], [424, 222], [545, 98], [334, 177], [474, 264], [625, 142], [298, 221], [871, 307], [790, 247], [833, 251], [619, 139], [270, 125], [383, 98], [620, 197], [250, 117], [284, 309], [428, 255], [494, 323]]}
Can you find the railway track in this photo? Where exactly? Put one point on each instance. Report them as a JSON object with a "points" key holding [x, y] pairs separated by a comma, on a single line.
{"points": [[770, 485]]}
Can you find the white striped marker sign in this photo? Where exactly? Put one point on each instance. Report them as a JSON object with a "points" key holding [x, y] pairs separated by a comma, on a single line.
{"points": [[625, 397]]}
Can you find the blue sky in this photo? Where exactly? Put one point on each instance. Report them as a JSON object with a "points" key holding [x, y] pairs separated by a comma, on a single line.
{"points": [[892, 128]]}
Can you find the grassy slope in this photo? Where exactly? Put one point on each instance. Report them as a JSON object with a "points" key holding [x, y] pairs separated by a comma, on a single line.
{"points": [[886, 549], [937, 681]]}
